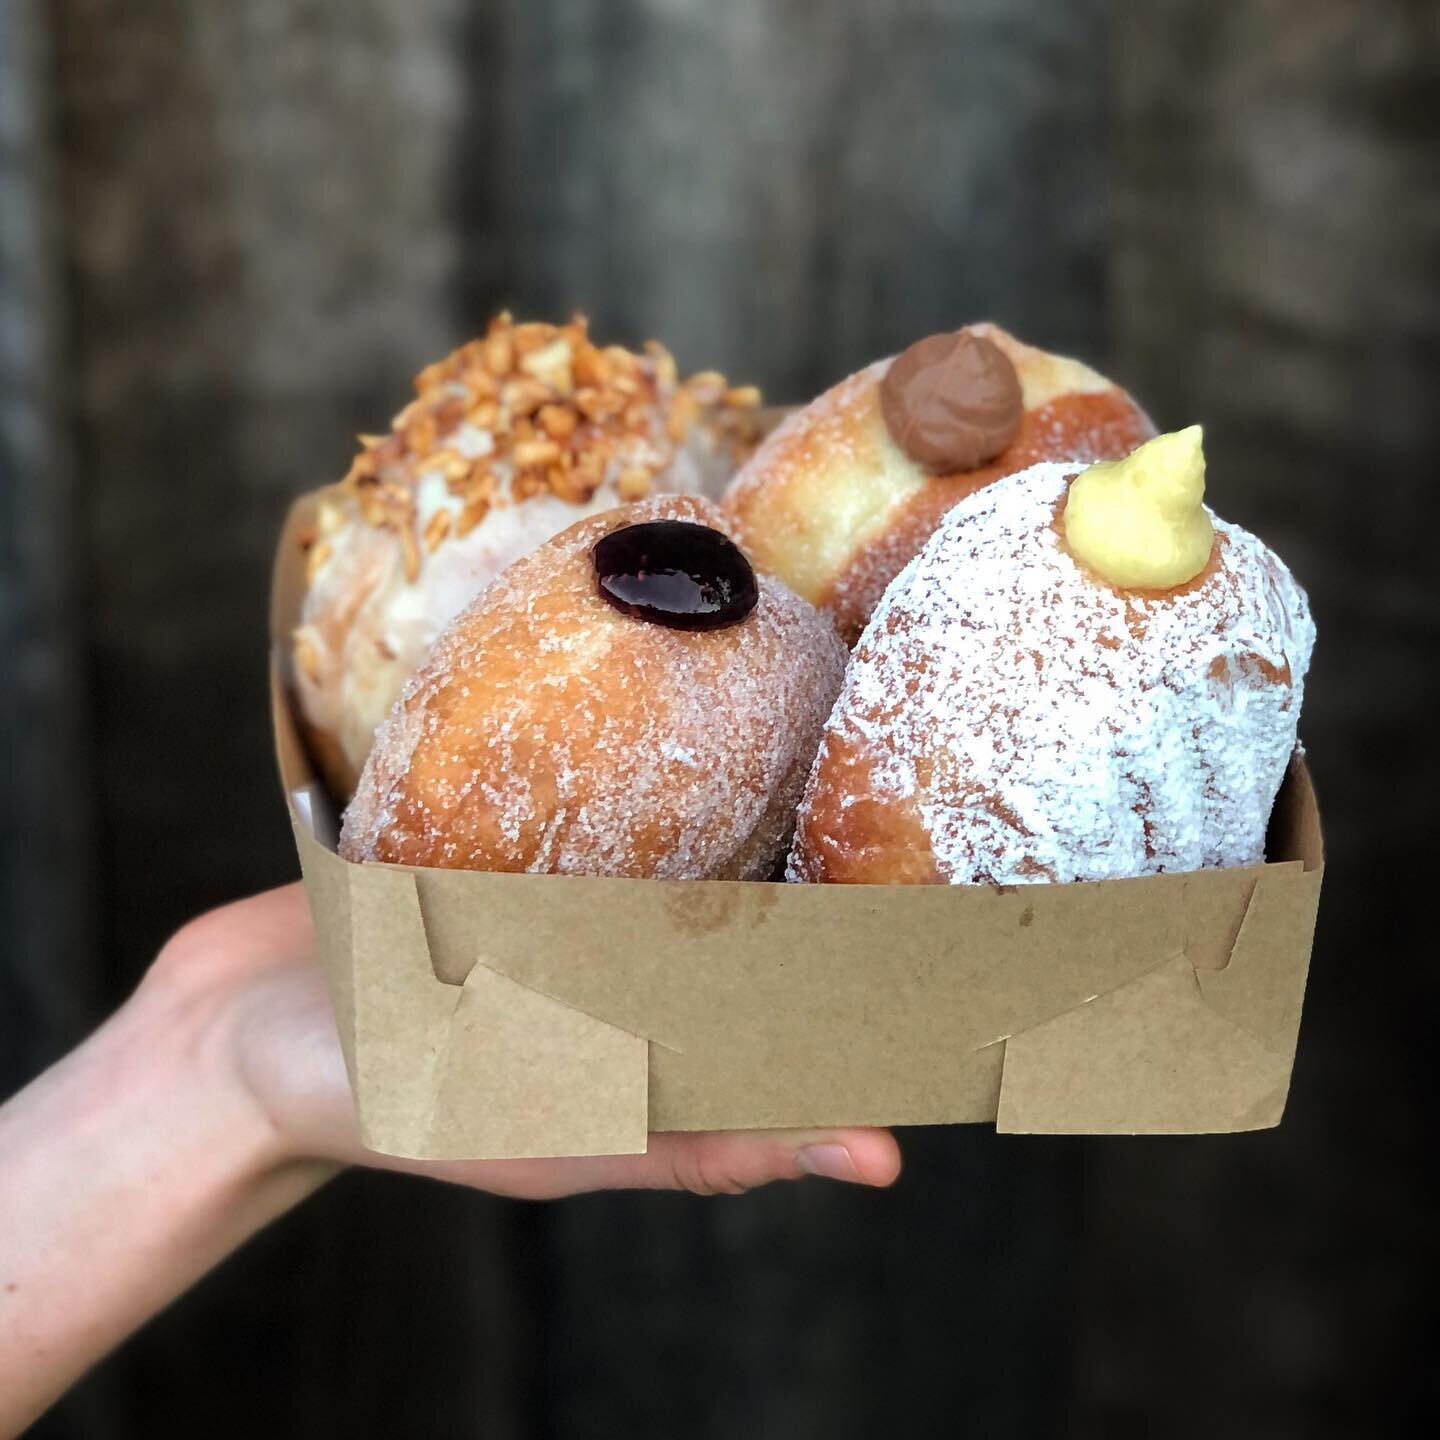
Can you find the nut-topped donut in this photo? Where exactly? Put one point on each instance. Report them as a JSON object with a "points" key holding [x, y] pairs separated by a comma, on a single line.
{"points": [[628, 699], [1069, 682], [839, 498], [510, 439]]}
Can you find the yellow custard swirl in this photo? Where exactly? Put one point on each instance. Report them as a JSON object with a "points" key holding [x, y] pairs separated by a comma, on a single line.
{"points": [[1140, 522]]}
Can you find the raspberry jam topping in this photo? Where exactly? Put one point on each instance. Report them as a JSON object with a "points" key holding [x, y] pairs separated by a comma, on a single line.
{"points": [[675, 573]]}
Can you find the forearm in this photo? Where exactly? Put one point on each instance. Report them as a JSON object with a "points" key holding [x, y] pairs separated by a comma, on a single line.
{"points": [[175, 1132], [126, 1172]]}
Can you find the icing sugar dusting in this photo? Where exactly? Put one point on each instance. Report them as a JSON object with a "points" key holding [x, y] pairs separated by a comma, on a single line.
{"points": [[548, 732], [1045, 726]]}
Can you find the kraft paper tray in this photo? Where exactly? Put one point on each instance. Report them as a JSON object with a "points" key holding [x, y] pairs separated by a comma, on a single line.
{"points": [[496, 1015]]}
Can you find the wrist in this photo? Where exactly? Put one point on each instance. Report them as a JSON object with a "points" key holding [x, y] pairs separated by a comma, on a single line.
{"points": [[176, 1039], [234, 1039], [130, 1168]]}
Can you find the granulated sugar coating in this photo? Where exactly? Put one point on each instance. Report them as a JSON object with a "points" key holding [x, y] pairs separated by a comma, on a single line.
{"points": [[549, 732], [1008, 718]]}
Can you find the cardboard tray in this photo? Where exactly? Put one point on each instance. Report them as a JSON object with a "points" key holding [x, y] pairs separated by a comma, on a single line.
{"points": [[498, 1015]]}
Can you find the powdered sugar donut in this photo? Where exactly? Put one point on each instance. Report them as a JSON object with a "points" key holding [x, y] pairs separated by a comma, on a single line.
{"points": [[511, 439], [1011, 716], [563, 724], [835, 505]]}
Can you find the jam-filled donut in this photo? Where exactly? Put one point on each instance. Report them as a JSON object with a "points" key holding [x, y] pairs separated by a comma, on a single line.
{"points": [[838, 499], [509, 440], [629, 699], [1069, 682]]}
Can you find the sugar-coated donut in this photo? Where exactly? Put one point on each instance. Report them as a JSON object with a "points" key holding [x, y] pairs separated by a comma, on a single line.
{"points": [[832, 503], [509, 440], [1010, 715], [561, 725]]}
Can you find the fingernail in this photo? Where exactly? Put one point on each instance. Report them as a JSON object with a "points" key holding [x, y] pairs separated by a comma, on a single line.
{"points": [[831, 1161]]}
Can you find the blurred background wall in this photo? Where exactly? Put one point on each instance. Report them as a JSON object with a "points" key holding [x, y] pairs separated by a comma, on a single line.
{"points": [[228, 236]]}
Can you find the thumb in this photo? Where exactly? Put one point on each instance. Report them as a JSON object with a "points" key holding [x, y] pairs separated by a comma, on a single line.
{"points": [[704, 1163], [731, 1162]]}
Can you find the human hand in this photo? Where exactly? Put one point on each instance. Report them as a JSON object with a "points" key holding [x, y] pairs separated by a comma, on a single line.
{"points": [[251, 965], [214, 1100]]}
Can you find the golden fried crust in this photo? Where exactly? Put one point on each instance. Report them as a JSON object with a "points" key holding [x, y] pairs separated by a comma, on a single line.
{"points": [[832, 506], [850, 834], [549, 732]]}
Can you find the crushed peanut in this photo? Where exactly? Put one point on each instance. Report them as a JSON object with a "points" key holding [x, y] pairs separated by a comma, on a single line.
{"points": [[633, 484], [552, 366], [411, 551], [473, 513], [537, 452], [307, 653], [684, 411], [499, 353], [557, 421], [436, 530], [560, 414], [315, 559]]}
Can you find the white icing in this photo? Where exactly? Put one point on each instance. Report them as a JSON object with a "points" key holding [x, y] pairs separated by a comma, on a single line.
{"points": [[1044, 725]]}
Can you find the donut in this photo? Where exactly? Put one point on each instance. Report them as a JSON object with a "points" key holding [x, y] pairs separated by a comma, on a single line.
{"points": [[1075, 679], [847, 490], [509, 440], [629, 699]]}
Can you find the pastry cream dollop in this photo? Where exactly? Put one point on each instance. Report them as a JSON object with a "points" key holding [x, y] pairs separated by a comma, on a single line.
{"points": [[1140, 522]]}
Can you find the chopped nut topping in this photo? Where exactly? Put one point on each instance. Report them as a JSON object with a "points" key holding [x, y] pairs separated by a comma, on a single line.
{"points": [[527, 483], [633, 484], [307, 654], [315, 560], [411, 552], [421, 433], [558, 415], [450, 463], [473, 513], [437, 529], [684, 409], [708, 386], [499, 353], [573, 483], [599, 405], [667, 375], [591, 367], [552, 365], [329, 517], [537, 452], [557, 421], [532, 336], [524, 397]]}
